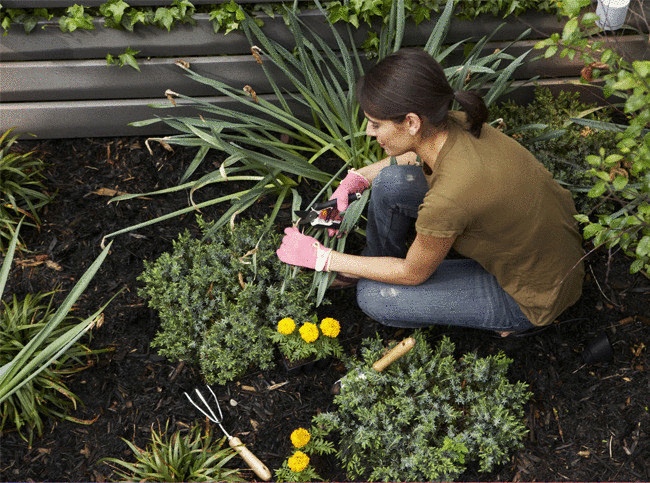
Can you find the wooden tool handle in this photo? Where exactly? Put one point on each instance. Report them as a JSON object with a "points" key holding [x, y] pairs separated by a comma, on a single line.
{"points": [[395, 353], [251, 460]]}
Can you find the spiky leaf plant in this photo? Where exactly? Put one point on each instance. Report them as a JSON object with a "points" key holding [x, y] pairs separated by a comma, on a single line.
{"points": [[38, 347], [193, 455], [318, 112], [22, 192]]}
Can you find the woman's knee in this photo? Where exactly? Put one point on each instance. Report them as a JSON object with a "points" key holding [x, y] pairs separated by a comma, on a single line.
{"points": [[381, 303], [393, 182], [369, 299]]}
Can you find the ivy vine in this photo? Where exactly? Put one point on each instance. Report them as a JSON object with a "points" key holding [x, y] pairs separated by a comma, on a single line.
{"points": [[226, 17]]}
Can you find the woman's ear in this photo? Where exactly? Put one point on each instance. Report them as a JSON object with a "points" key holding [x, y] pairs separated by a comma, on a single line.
{"points": [[413, 123]]}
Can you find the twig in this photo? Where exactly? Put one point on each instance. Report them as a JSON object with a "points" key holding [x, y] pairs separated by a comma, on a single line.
{"points": [[559, 428], [599, 288]]}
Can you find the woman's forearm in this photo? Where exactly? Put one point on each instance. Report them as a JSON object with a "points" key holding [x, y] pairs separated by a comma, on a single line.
{"points": [[381, 269], [423, 257]]}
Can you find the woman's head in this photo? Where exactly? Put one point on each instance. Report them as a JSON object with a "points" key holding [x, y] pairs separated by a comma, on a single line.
{"points": [[411, 81]]}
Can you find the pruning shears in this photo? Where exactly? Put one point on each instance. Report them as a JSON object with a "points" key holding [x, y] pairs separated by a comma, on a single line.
{"points": [[322, 214]]}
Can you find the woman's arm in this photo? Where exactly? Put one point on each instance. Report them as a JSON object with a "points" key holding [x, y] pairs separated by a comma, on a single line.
{"points": [[422, 259], [372, 170]]}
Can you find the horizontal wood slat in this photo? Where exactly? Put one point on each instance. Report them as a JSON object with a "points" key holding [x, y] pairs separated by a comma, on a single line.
{"points": [[92, 79], [108, 118]]}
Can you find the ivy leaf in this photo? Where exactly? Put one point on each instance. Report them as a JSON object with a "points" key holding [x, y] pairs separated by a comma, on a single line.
{"points": [[114, 9], [6, 23], [135, 17], [571, 8], [336, 12], [128, 58], [164, 17], [75, 18]]}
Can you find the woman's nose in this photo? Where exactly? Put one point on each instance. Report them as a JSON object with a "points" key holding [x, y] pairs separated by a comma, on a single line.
{"points": [[369, 131]]}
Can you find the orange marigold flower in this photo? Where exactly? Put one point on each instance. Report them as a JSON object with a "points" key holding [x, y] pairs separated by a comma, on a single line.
{"points": [[298, 461], [309, 332], [300, 437], [330, 327], [286, 326]]}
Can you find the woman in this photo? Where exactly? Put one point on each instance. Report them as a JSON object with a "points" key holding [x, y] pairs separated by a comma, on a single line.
{"points": [[477, 191]]}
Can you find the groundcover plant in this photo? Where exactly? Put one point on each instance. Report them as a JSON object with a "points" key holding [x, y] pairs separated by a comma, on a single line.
{"points": [[428, 416], [221, 296]]}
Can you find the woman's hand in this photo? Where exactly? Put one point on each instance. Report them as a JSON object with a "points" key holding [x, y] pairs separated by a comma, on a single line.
{"points": [[351, 184], [303, 251]]}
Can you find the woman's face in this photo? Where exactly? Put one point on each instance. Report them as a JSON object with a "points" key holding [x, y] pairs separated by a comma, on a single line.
{"points": [[393, 137]]}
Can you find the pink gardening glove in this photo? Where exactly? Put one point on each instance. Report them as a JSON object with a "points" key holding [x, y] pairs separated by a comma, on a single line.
{"points": [[303, 251], [352, 183]]}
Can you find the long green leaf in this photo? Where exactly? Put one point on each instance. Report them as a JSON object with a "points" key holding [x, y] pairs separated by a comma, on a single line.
{"points": [[26, 363], [9, 256], [439, 32]]}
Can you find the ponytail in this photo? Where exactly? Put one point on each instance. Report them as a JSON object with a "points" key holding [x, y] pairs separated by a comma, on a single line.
{"points": [[475, 109]]}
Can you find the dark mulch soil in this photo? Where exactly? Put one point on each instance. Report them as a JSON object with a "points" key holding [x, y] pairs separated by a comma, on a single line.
{"points": [[587, 422]]}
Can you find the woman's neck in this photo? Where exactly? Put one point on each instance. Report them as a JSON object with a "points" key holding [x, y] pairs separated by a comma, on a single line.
{"points": [[430, 147]]}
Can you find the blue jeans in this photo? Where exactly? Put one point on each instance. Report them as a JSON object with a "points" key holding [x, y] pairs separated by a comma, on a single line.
{"points": [[459, 293]]}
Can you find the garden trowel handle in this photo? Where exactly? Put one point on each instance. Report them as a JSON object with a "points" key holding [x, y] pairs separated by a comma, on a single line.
{"points": [[251, 460], [395, 353]]}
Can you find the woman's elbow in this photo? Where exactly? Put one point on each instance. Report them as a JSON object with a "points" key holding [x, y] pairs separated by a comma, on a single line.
{"points": [[415, 277]]}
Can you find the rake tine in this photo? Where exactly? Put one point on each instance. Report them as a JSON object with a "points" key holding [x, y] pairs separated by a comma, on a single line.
{"points": [[254, 463], [212, 417]]}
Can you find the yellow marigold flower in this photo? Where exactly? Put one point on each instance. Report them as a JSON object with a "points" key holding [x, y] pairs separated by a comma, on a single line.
{"points": [[298, 461], [286, 326], [300, 437], [330, 327], [309, 332]]}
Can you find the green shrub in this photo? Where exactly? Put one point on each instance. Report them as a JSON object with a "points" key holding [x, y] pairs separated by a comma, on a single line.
{"points": [[222, 296], [545, 128], [22, 192], [193, 456], [620, 176], [428, 416]]}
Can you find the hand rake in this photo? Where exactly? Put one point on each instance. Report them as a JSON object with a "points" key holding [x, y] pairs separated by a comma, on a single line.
{"points": [[251, 460]]}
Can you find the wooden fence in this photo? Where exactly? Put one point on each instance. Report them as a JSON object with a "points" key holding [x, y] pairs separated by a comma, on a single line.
{"points": [[58, 85]]}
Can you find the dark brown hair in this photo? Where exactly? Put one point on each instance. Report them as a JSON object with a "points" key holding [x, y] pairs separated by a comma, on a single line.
{"points": [[410, 80]]}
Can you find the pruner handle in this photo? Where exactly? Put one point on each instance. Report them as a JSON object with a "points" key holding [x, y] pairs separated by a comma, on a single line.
{"points": [[395, 353], [332, 203], [251, 460]]}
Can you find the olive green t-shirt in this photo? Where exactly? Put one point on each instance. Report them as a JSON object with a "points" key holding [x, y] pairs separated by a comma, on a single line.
{"points": [[509, 215]]}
